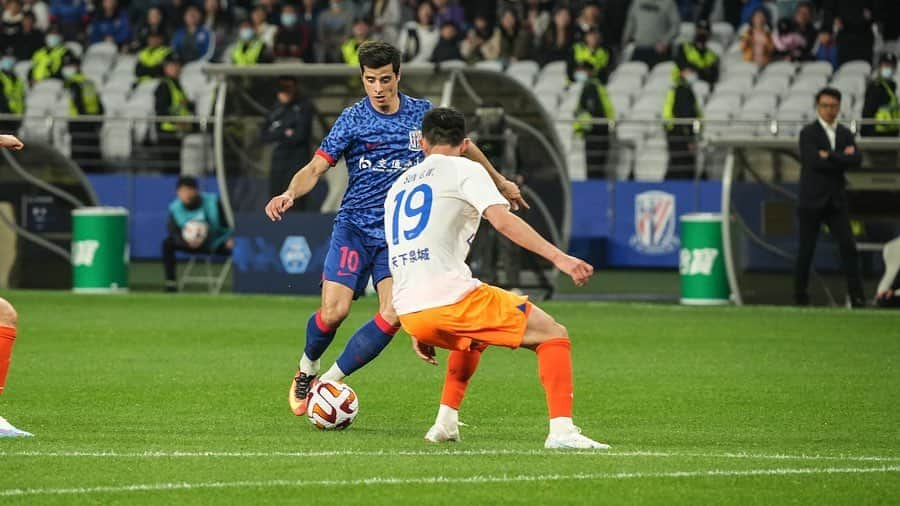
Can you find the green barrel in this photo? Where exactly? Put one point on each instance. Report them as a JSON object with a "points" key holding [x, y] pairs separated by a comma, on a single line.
{"points": [[702, 263], [100, 250]]}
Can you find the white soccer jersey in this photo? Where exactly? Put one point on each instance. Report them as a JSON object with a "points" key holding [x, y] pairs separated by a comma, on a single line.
{"points": [[431, 215]]}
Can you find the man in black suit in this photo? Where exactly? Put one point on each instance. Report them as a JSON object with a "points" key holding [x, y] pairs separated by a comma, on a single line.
{"points": [[827, 151]]}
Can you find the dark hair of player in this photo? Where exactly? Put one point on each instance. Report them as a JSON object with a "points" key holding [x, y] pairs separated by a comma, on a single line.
{"points": [[831, 92], [376, 54], [443, 125]]}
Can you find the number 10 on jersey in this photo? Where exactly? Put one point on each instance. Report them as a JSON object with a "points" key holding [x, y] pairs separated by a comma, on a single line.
{"points": [[414, 207]]}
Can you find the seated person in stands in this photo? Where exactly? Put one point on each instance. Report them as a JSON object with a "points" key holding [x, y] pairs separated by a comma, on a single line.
{"points": [[696, 55], [12, 92], [47, 61], [83, 101], [151, 58], [170, 99], [197, 224], [589, 59]]}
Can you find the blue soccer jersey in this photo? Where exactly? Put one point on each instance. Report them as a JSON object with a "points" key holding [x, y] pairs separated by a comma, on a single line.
{"points": [[378, 148]]}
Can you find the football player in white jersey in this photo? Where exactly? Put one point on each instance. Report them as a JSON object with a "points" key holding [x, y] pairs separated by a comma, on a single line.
{"points": [[431, 215]]}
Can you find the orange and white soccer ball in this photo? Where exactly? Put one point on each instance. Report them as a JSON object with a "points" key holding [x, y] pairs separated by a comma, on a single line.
{"points": [[331, 405]]}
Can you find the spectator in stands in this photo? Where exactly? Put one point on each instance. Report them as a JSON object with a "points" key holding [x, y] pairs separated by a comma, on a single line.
{"points": [[83, 100], [589, 17], [309, 17], [249, 48], [47, 61], [789, 44], [756, 43], [482, 42], [293, 39], [70, 16], [594, 106], [589, 60], [386, 17], [447, 47], [193, 41], [219, 23], [881, 105], [556, 43], [12, 20], [852, 20], [803, 24], [193, 206], [288, 125], [170, 100], [515, 41], [698, 56], [827, 152], [418, 38], [749, 8], [888, 292], [349, 48], [150, 59], [153, 23], [536, 19], [12, 101], [265, 31], [447, 10], [682, 104], [30, 39], [652, 25], [333, 29], [40, 11], [110, 24]]}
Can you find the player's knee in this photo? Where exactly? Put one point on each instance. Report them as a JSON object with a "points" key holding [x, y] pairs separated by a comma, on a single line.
{"points": [[8, 315], [334, 313]]}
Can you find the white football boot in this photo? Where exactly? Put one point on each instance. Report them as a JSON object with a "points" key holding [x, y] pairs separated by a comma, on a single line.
{"points": [[573, 440], [440, 433], [7, 430]]}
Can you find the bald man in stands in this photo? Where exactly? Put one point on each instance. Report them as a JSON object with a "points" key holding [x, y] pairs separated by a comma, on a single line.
{"points": [[8, 319]]}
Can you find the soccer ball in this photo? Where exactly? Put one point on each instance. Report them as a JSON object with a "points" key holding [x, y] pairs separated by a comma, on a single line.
{"points": [[331, 405], [194, 231]]}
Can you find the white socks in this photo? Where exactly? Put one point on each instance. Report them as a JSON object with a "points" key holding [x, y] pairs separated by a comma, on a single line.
{"points": [[333, 374], [308, 366], [447, 416], [561, 425]]}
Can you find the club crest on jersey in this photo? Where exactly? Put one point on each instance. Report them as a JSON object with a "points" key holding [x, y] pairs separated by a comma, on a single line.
{"points": [[415, 137], [654, 223]]}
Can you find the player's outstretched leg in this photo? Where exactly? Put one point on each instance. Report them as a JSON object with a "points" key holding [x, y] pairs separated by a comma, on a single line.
{"points": [[320, 330], [461, 365], [8, 320], [550, 341]]}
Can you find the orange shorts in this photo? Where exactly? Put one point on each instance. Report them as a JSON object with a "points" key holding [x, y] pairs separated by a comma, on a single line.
{"points": [[487, 316]]}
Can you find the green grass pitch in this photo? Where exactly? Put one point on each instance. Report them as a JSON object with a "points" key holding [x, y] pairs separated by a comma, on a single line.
{"points": [[180, 400]]}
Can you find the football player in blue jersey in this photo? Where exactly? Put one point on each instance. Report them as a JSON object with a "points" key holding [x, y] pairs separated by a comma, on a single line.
{"points": [[379, 138]]}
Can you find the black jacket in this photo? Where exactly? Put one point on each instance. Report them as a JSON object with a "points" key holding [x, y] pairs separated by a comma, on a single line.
{"points": [[296, 116], [876, 97], [823, 180]]}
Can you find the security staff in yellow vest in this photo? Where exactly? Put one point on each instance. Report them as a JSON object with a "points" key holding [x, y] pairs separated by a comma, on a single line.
{"points": [[594, 106], [150, 59], [882, 106], [46, 62], [681, 104], [249, 49], [351, 45], [589, 57], [696, 55], [83, 100], [171, 100], [12, 100]]}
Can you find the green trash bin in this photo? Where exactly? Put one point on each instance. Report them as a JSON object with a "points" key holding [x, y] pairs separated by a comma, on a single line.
{"points": [[100, 250], [702, 263]]}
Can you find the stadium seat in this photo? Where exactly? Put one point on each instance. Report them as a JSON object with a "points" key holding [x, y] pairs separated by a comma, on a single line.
{"points": [[21, 69], [75, 48], [701, 90], [741, 68], [622, 104], [125, 64], [780, 68], [493, 65], [854, 68], [625, 85], [96, 71], [716, 47], [816, 68], [652, 160], [632, 68], [723, 32], [647, 108], [51, 87], [734, 86], [213, 276], [657, 85], [773, 84], [104, 50], [526, 70], [141, 103], [662, 69], [196, 154], [453, 64]]}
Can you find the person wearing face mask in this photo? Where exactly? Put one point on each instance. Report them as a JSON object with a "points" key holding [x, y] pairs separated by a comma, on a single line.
{"points": [[250, 49], [191, 205], [594, 106], [882, 106], [293, 38], [588, 59], [83, 100], [171, 100], [47, 61], [12, 101], [681, 103], [696, 55], [288, 126]]}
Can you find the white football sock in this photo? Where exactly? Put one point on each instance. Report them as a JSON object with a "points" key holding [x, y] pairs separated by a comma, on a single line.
{"points": [[333, 374], [561, 425], [308, 366], [447, 416]]}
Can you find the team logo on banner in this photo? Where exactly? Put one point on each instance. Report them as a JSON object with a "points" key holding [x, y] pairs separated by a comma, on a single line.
{"points": [[414, 137], [295, 254], [654, 223]]}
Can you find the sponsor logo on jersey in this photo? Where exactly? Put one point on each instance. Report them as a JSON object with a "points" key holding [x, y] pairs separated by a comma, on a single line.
{"points": [[415, 138], [654, 223]]}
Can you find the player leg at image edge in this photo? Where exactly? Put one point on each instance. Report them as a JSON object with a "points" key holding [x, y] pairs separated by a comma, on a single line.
{"points": [[8, 319]]}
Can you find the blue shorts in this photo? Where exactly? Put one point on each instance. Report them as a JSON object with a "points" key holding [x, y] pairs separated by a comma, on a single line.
{"points": [[350, 261]]}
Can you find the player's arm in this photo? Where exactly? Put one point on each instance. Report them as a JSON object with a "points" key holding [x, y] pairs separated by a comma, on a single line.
{"points": [[302, 183], [509, 189], [11, 142], [521, 233]]}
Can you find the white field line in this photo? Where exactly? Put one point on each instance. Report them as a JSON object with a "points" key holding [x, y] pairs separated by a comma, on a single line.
{"points": [[477, 479], [442, 453]]}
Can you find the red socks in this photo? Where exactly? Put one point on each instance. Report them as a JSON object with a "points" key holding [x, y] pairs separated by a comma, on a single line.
{"points": [[7, 337], [461, 366], [555, 371]]}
